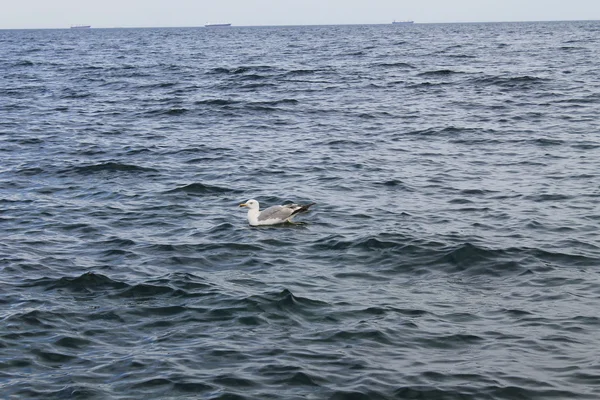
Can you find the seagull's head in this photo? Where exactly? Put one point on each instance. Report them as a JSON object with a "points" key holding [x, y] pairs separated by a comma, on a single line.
{"points": [[251, 204]]}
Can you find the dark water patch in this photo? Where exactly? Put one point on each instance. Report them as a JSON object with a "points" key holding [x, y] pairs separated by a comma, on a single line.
{"points": [[234, 381], [72, 342], [477, 260], [301, 72], [53, 358], [300, 379], [216, 102], [230, 396], [187, 282], [516, 82], [241, 70], [108, 167], [434, 131], [153, 383], [224, 227], [149, 291], [169, 112], [440, 73], [562, 258], [286, 301], [395, 184], [476, 192], [548, 142], [358, 336], [462, 56], [516, 313], [362, 276], [24, 63], [256, 86], [427, 85], [583, 100], [219, 70], [66, 392], [401, 65], [252, 77], [189, 386], [71, 94], [202, 188], [277, 102], [345, 143], [89, 282], [160, 85], [31, 171], [197, 149], [39, 320], [570, 48], [357, 395], [462, 201], [586, 146], [549, 197]]}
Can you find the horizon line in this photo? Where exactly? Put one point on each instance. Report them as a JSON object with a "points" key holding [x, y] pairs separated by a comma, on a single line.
{"points": [[326, 24]]}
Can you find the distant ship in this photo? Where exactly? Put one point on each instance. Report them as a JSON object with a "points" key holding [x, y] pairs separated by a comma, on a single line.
{"points": [[403, 22], [216, 25], [81, 26]]}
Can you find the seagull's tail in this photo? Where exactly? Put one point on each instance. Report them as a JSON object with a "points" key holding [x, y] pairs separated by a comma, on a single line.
{"points": [[304, 208]]}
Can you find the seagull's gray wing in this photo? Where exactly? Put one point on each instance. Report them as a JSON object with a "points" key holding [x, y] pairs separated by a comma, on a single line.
{"points": [[277, 212]]}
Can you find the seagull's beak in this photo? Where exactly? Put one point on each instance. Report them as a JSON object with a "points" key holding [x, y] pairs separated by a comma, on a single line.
{"points": [[243, 205]]}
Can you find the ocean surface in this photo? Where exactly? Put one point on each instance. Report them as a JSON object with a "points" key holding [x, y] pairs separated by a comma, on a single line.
{"points": [[453, 251]]}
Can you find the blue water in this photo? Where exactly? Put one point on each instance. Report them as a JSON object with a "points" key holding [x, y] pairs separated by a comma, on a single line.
{"points": [[453, 251]]}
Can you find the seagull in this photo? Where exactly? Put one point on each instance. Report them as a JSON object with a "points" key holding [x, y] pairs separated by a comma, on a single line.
{"points": [[272, 215]]}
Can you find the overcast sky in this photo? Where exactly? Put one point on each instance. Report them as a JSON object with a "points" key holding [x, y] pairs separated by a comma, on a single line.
{"points": [[159, 13]]}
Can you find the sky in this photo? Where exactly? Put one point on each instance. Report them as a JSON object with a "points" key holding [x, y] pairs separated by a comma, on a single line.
{"points": [[33, 14]]}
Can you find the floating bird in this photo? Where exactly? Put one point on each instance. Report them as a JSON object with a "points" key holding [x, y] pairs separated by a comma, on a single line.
{"points": [[272, 215]]}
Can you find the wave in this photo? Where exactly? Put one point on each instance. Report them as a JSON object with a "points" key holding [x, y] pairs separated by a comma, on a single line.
{"points": [[97, 284], [277, 102], [401, 65], [109, 166], [267, 105], [86, 283], [202, 188], [483, 390], [160, 85], [254, 86], [252, 77], [241, 70], [433, 131], [301, 72], [407, 255], [173, 111], [548, 142], [394, 183], [216, 102], [512, 82], [287, 301], [24, 63], [440, 72], [548, 197], [479, 260]]}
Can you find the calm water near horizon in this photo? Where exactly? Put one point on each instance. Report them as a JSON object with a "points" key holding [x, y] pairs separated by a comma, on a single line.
{"points": [[453, 251]]}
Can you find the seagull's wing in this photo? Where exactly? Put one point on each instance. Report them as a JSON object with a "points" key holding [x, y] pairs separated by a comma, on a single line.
{"points": [[280, 213]]}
